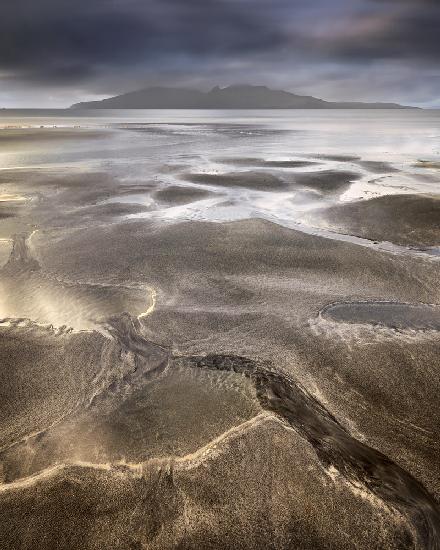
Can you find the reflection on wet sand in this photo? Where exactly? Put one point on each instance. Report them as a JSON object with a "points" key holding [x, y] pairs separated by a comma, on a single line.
{"points": [[11, 198], [181, 368], [28, 293]]}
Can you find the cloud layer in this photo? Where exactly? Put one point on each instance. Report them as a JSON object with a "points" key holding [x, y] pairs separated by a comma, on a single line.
{"points": [[58, 51]]}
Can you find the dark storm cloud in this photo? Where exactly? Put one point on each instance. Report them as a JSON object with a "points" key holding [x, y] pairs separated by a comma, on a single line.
{"points": [[54, 35], [108, 46]]}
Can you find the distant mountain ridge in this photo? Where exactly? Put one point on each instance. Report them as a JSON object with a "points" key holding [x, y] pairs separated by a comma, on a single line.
{"points": [[231, 97]]}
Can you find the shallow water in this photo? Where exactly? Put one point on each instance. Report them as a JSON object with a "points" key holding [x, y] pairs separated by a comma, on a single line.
{"points": [[273, 164], [390, 314]]}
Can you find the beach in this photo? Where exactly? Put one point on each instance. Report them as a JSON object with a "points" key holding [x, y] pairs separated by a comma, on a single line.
{"points": [[219, 330]]}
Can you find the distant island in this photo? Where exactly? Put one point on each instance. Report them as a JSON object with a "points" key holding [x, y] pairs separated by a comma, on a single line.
{"points": [[231, 97]]}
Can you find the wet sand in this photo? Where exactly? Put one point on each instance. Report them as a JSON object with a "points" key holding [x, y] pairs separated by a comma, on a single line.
{"points": [[388, 314], [237, 161], [402, 219], [251, 180], [7, 211], [377, 167], [327, 181], [187, 383], [175, 194]]}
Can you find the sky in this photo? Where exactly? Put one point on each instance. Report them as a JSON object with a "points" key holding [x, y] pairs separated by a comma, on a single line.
{"points": [[56, 52]]}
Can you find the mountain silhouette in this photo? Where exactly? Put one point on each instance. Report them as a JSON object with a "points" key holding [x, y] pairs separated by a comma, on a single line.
{"points": [[231, 97]]}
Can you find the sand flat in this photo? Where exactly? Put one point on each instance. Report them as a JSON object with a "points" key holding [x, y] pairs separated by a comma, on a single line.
{"points": [[181, 371]]}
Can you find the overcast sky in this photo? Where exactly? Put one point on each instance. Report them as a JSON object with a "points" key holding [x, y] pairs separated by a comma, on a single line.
{"points": [[56, 52]]}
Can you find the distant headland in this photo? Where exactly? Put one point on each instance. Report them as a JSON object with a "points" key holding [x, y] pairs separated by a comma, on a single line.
{"points": [[231, 97]]}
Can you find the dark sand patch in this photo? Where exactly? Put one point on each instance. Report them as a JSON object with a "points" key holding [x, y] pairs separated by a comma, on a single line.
{"points": [[377, 167], [8, 210], [252, 180], [265, 163], [412, 220], [390, 314], [328, 182], [176, 194], [338, 158]]}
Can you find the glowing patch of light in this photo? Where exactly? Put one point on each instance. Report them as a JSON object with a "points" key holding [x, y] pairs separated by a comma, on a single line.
{"points": [[150, 310]]}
